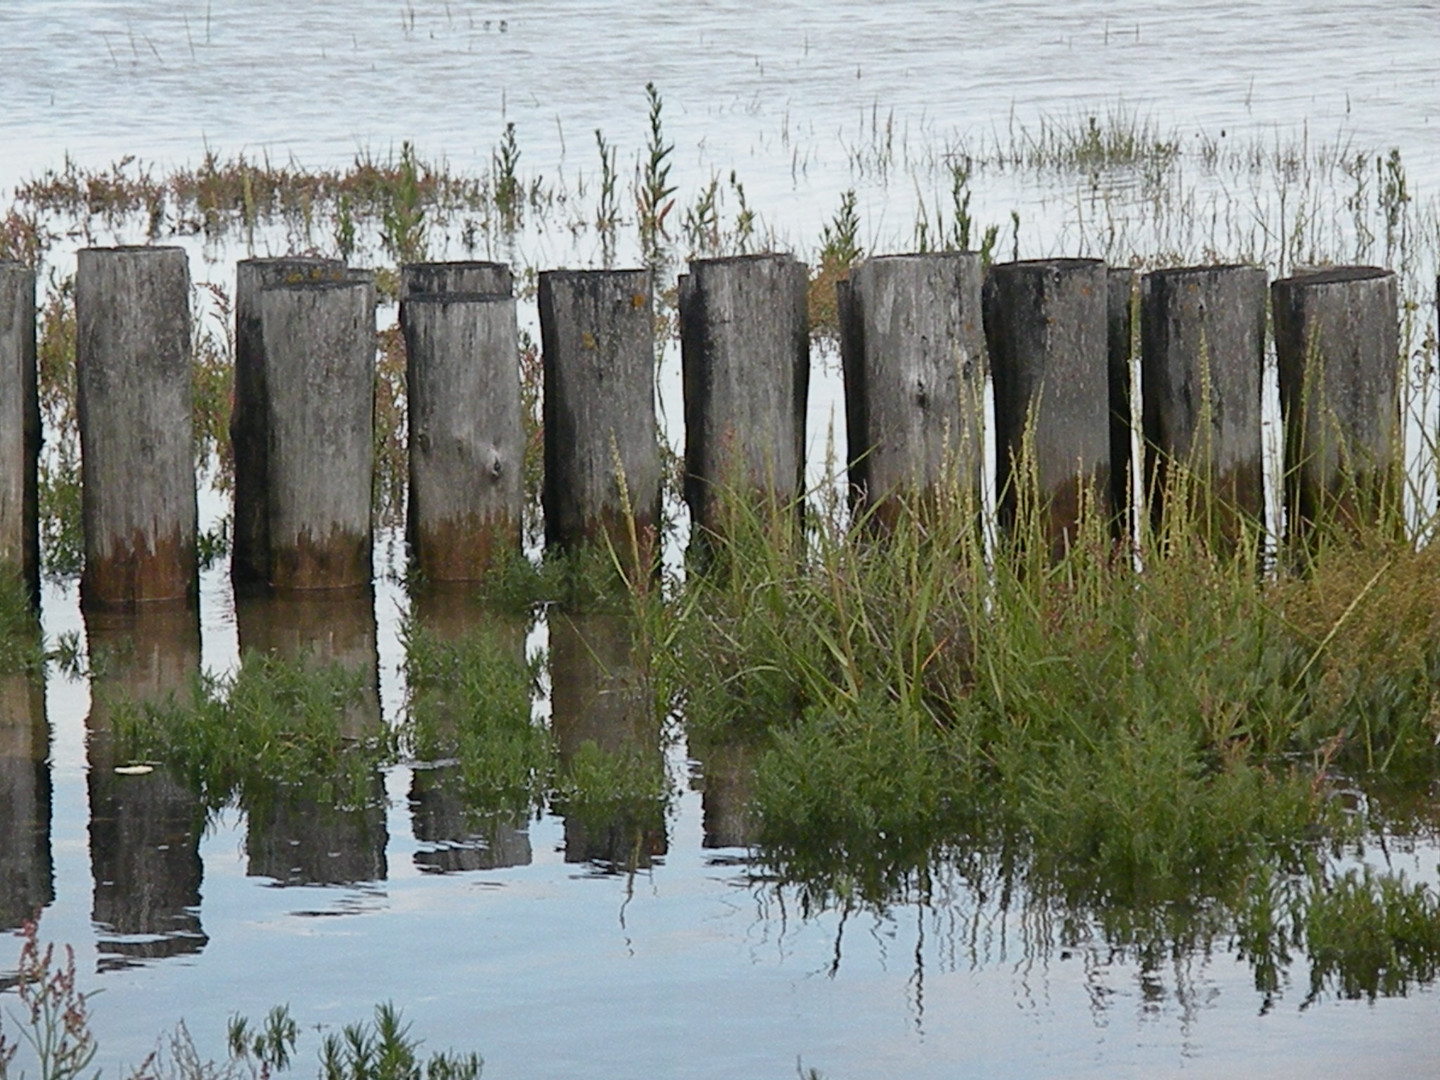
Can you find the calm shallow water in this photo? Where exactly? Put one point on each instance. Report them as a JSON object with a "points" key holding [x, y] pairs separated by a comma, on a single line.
{"points": [[551, 967]]}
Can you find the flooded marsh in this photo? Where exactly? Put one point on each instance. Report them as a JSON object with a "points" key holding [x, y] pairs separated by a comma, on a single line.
{"points": [[913, 800]]}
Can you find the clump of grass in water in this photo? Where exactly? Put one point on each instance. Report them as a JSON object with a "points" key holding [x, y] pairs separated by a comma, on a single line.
{"points": [[273, 724], [402, 221], [1119, 139], [607, 211], [469, 701], [957, 235], [505, 181], [54, 1025], [1135, 743]]}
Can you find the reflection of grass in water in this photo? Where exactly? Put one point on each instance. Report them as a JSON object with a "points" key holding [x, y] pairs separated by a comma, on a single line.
{"points": [[274, 723]]}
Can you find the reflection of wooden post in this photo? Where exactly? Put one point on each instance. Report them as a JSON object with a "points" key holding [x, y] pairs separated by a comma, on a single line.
{"points": [[728, 780], [457, 838], [1120, 322], [466, 433], [1202, 334], [295, 837], [597, 331], [1338, 352], [597, 696], [745, 359], [913, 346], [486, 278], [249, 435], [132, 371], [319, 629], [319, 344], [19, 428], [1046, 322], [27, 876], [145, 828]]}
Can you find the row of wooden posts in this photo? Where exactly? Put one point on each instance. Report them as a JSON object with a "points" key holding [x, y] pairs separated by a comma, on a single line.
{"points": [[919, 335]]}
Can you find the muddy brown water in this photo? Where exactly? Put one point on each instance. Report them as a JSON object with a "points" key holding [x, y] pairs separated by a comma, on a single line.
{"points": [[525, 944]]}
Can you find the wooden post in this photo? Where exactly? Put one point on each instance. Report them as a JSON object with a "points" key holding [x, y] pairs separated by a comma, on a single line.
{"points": [[1337, 343], [1202, 331], [19, 428], [145, 825], [466, 433], [489, 278], [745, 366], [1046, 323], [137, 458], [250, 546], [597, 332], [319, 345], [912, 344], [1121, 323]]}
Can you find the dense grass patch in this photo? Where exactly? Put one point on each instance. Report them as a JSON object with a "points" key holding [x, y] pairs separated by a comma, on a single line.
{"points": [[469, 703], [273, 724], [1139, 740]]}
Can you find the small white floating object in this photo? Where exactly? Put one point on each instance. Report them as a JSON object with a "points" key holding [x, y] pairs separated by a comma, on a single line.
{"points": [[133, 770]]}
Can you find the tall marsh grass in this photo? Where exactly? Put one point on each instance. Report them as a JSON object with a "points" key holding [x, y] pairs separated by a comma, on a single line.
{"points": [[1129, 732]]}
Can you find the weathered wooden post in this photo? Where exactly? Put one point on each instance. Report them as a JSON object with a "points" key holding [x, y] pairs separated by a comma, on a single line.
{"points": [[488, 278], [745, 366], [249, 438], [912, 345], [466, 433], [319, 344], [602, 455], [1121, 323], [137, 459], [1202, 334], [1046, 323], [1337, 344], [19, 428]]}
